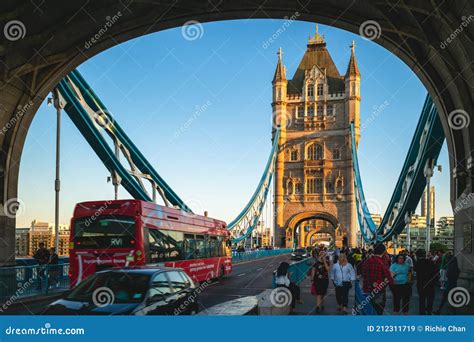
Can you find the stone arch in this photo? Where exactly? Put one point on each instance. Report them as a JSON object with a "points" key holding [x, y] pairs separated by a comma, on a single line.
{"points": [[295, 221]]}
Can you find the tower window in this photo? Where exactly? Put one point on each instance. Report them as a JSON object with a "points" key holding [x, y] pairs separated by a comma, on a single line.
{"points": [[310, 90], [320, 110], [315, 152], [320, 89], [294, 155], [330, 109], [310, 110], [336, 154], [300, 111], [311, 185]]}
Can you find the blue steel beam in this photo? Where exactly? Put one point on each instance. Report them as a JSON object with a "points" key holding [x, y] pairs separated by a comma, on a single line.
{"points": [[424, 150], [76, 91]]}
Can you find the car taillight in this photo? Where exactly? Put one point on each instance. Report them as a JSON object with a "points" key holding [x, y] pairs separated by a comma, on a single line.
{"points": [[132, 242]]}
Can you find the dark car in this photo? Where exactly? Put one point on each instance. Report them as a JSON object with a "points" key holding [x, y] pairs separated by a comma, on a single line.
{"points": [[299, 254], [130, 291]]}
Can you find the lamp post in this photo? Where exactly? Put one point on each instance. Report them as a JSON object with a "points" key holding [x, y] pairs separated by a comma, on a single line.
{"points": [[59, 105]]}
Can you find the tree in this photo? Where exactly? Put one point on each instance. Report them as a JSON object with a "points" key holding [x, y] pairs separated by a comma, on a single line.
{"points": [[438, 247]]}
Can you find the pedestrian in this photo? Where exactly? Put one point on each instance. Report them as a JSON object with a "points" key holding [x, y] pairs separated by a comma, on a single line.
{"points": [[452, 276], [400, 288], [426, 280], [320, 279], [442, 271], [342, 274], [376, 277], [283, 280], [42, 256], [53, 268]]}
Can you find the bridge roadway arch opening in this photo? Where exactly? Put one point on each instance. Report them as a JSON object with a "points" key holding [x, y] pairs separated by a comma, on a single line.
{"points": [[60, 35]]}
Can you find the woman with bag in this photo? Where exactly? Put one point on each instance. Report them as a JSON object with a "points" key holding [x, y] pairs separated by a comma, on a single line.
{"points": [[342, 275], [320, 279]]}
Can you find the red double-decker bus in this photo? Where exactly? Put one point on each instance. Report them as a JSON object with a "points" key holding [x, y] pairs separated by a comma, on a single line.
{"points": [[127, 233]]}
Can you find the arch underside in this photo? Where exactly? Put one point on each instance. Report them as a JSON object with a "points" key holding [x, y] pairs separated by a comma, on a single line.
{"points": [[32, 66]]}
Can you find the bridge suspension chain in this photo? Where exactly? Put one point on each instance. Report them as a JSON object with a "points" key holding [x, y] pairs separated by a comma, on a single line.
{"points": [[422, 155], [243, 225]]}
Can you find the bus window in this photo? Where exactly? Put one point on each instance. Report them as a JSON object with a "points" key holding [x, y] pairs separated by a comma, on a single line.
{"points": [[163, 246]]}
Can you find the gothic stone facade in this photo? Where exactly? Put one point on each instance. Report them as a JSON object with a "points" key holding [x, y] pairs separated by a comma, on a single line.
{"points": [[313, 173]]}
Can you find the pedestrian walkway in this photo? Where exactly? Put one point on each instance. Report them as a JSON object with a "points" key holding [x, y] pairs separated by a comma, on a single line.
{"points": [[330, 305]]}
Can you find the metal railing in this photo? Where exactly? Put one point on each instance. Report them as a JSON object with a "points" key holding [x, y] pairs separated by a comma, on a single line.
{"points": [[23, 281], [298, 271], [252, 255]]}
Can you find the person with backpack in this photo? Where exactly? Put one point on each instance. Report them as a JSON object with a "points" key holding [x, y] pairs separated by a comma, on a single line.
{"points": [[282, 279], [42, 256]]}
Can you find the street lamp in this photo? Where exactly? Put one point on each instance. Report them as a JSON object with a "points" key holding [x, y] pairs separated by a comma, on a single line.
{"points": [[428, 173]]}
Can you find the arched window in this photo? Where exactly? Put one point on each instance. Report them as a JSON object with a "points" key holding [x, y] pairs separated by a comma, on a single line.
{"points": [[336, 153], [315, 152], [294, 155], [310, 90]]}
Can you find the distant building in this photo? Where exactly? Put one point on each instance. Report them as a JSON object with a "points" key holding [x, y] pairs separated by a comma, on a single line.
{"points": [[44, 232], [22, 242], [424, 204], [444, 231], [377, 218]]}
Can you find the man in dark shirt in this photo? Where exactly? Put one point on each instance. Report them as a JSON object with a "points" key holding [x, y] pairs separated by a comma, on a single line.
{"points": [[426, 279], [376, 277], [42, 256]]}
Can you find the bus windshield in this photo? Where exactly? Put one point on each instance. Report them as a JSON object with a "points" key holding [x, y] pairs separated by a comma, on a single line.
{"points": [[104, 232]]}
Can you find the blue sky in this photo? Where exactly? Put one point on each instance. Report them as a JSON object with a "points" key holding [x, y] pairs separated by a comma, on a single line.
{"points": [[154, 85]]}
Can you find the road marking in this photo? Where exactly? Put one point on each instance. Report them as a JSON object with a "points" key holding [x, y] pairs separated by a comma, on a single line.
{"points": [[240, 275], [261, 268]]}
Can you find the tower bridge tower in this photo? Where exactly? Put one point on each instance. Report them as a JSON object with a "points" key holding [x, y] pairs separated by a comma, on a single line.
{"points": [[313, 173]]}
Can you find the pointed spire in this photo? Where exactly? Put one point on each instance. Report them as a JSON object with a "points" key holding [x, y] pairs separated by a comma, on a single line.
{"points": [[352, 68], [317, 38], [280, 72]]}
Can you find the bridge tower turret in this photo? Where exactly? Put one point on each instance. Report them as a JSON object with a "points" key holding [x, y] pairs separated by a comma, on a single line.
{"points": [[279, 120]]}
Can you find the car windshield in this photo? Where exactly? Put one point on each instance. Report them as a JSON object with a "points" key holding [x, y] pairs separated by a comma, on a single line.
{"points": [[300, 250], [111, 287]]}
